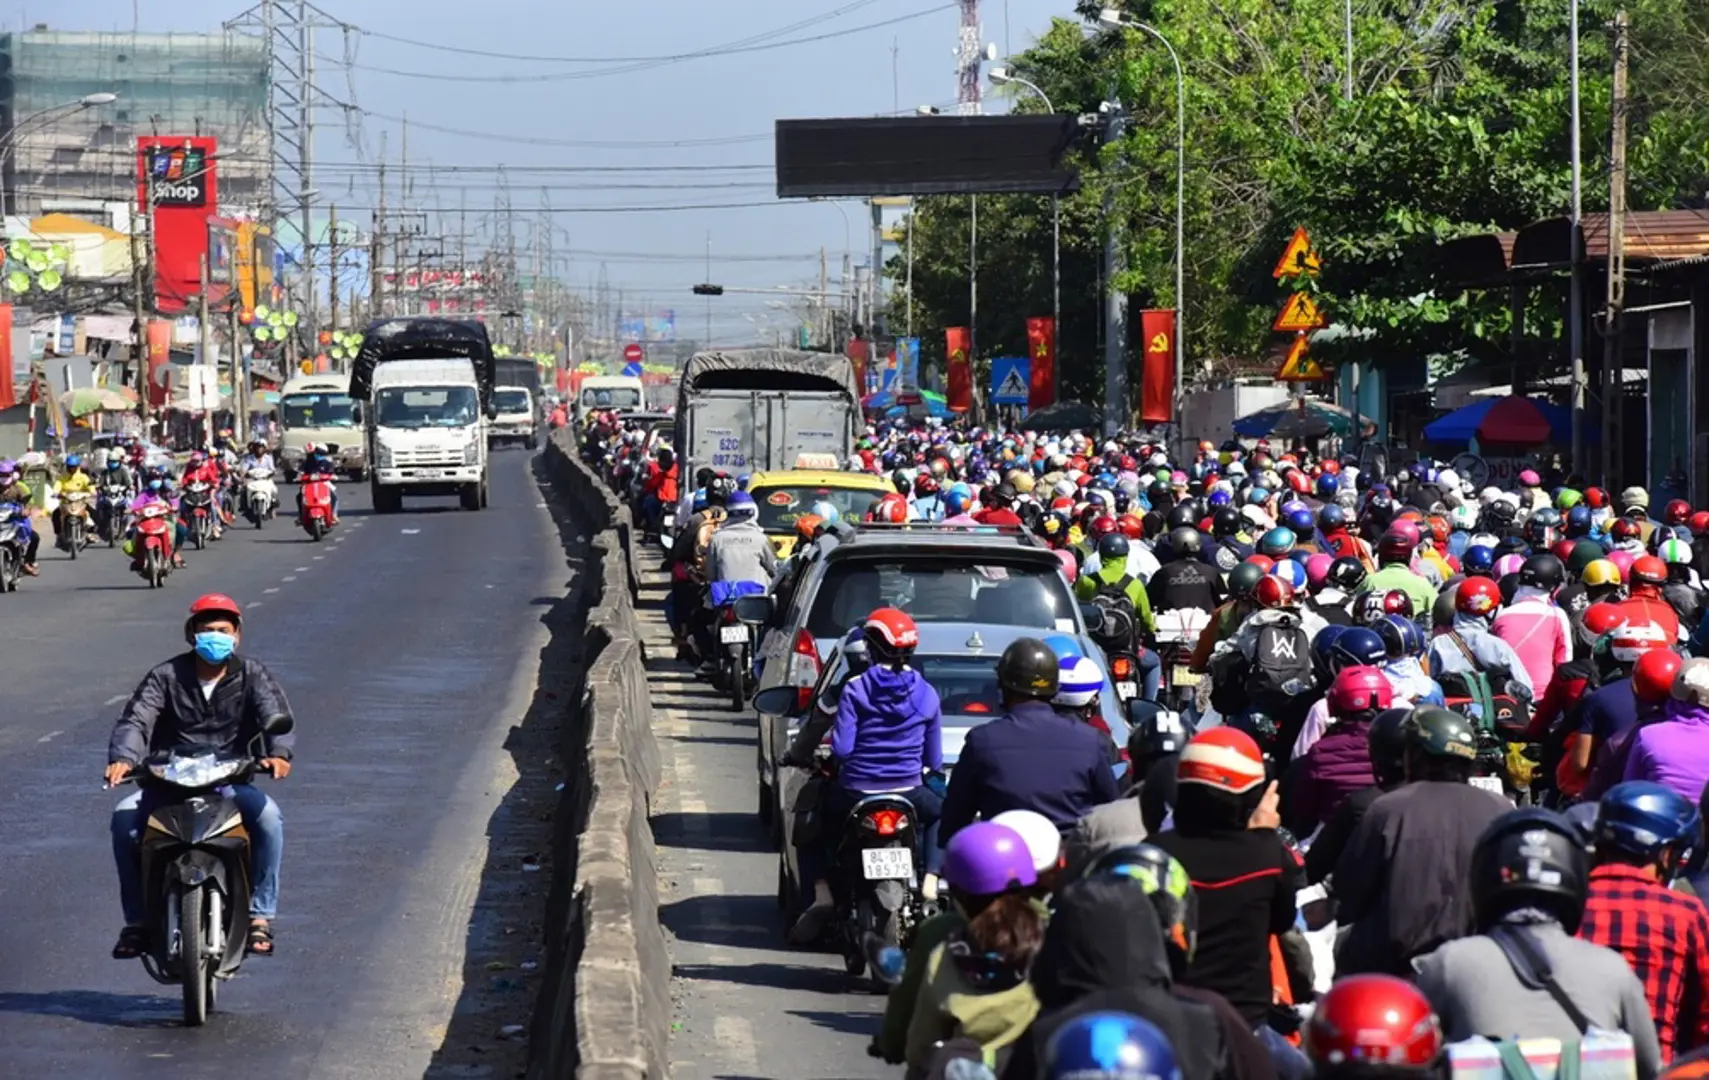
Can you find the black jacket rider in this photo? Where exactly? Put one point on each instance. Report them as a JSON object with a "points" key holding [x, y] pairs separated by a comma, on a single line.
{"points": [[1185, 583], [168, 711]]}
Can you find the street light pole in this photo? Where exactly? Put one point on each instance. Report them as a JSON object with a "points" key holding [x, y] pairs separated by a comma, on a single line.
{"points": [[1575, 303], [1113, 18], [87, 101], [1001, 75]]}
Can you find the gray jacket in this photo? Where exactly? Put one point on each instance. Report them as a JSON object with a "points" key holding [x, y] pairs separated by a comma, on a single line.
{"points": [[1474, 991], [739, 551], [1104, 829]]}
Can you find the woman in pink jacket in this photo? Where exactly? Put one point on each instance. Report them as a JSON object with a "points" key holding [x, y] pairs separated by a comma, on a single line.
{"points": [[1538, 630]]}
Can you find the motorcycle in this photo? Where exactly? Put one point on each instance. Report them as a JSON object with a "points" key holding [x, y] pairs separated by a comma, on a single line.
{"points": [[197, 506], [260, 495], [316, 515], [1178, 633], [735, 675], [195, 863], [112, 513], [14, 544], [152, 545], [74, 532], [877, 882]]}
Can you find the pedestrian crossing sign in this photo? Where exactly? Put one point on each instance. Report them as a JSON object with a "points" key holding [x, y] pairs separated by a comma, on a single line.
{"points": [[1009, 380]]}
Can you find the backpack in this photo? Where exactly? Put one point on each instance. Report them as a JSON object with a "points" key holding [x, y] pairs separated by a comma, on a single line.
{"points": [[1281, 665], [1120, 621], [1485, 697]]}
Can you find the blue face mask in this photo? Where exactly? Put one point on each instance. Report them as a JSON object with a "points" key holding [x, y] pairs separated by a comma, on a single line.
{"points": [[215, 646]]}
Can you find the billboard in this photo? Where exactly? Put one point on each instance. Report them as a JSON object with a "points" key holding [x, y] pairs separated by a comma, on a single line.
{"points": [[924, 155], [177, 176]]}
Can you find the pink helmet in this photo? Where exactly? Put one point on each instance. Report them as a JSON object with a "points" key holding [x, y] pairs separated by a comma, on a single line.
{"points": [[1409, 528], [1317, 570], [1529, 478], [1508, 564], [1624, 560]]}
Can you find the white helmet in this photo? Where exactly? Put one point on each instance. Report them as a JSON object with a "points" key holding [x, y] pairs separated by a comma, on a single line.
{"points": [[1043, 841]]}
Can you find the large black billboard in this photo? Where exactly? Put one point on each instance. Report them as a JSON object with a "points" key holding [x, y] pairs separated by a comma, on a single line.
{"points": [[924, 155]]}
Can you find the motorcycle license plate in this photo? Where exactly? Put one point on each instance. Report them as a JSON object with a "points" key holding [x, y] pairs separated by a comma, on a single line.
{"points": [[1127, 689], [1180, 675], [1489, 783], [732, 635], [887, 864]]}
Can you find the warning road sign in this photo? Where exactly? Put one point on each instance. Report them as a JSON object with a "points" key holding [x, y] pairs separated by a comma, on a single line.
{"points": [[1300, 366], [1300, 314], [1010, 381], [1298, 257]]}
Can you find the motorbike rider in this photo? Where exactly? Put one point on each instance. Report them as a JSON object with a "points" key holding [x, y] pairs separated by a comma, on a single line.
{"points": [[208, 698], [256, 457], [1528, 876], [75, 481], [659, 491], [201, 469], [739, 560], [1538, 630], [1339, 763], [1385, 747], [318, 464], [15, 492], [1394, 561], [1671, 750], [1684, 590], [1154, 746], [1469, 646], [1644, 833], [117, 474], [1184, 580], [887, 737], [1373, 1027], [1388, 879], [1031, 757]]}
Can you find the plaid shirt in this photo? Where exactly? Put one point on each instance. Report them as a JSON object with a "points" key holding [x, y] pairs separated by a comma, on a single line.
{"points": [[1664, 936]]}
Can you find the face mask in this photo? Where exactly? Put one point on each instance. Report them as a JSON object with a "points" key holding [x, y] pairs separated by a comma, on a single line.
{"points": [[215, 646]]}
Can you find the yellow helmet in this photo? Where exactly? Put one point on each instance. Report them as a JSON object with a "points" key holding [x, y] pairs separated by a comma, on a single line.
{"points": [[1600, 572]]}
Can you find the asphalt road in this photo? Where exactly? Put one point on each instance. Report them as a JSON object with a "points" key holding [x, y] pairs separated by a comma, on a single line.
{"points": [[408, 645], [746, 1004]]}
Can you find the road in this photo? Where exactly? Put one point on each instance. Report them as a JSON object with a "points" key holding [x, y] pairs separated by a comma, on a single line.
{"points": [[746, 1004], [409, 646]]}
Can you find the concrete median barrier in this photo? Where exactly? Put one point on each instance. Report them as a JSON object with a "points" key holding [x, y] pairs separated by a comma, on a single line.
{"points": [[604, 1006]]}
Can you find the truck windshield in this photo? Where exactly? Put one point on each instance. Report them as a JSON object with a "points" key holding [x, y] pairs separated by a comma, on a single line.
{"points": [[425, 406], [318, 410], [511, 401], [611, 397]]}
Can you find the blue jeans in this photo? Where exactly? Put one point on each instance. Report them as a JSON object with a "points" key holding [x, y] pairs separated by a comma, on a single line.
{"points": [[1150, 674], [1290, 1063], [261, 817], [835, 804]]}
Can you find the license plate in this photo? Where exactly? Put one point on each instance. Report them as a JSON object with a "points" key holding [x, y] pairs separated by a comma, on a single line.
{"points": [[1181, 675], [731, 635], [1489, 783], [887, 864], [1126, 689], [429, 474]]}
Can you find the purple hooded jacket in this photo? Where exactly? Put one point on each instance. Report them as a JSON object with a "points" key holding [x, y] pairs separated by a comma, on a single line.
{"points": [[889, 728], [1335, 767], [1673, 752]]}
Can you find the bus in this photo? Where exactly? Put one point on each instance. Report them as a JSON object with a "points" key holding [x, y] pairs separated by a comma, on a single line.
{"points": [[319, 409]]}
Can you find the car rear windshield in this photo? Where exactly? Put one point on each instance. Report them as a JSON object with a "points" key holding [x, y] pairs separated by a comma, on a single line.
{"points": [[781, 505], [966, 685], [940, 588]]}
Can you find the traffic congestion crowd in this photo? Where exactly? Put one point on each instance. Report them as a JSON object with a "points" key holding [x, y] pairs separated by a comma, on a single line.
{"points": [[1473, 725]]}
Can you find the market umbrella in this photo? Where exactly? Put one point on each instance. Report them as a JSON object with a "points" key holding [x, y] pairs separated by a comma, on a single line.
{"points": [[1064, 416], [1511, 420], [91, 399], [936, 406], [1300, 418]]}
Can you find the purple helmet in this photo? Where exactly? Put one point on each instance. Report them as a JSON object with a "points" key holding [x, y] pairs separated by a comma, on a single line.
{"points": [[986, 859]]}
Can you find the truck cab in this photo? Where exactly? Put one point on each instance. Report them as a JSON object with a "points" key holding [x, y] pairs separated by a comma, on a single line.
{"points": [[426, 433], [609, 393], [319, 409], [517, 420]]}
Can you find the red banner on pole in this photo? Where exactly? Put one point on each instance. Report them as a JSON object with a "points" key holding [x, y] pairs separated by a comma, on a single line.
{"points": [[1157, 387], [8, 397], [857, 352], [957, 347], [159, 357], [1041, 347]]}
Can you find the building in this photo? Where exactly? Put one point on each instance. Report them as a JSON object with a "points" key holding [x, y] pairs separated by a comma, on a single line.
{"points": [[57, 158]]}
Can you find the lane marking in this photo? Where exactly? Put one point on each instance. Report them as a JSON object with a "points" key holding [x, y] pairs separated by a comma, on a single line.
{"points": [[272, 590], [410, 532], [734, 1036], [256, 604], [302, 569], [318, 558], [49, 736], [115, 699]]}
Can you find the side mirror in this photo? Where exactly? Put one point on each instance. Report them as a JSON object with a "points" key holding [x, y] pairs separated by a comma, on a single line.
{"points": [[829, 700], [277, 725], [331, 448], [356, 414], [777, 701], [756, 609], [492, 411]]}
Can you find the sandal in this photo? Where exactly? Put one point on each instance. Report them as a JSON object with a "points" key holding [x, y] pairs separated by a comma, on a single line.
{"points": [[261, 938], [133, 942]]}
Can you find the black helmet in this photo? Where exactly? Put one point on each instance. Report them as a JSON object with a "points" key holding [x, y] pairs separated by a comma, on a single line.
{"points": [[1155, 732], [1530, 858], [1225, 521], [1385, 743], [1438, 732], [1243, 580], [1113, 546], [1182, 515], [902, 481], [1029, 669], [1346, 573], [1542, 571], [718, 490], [1185, 540]]}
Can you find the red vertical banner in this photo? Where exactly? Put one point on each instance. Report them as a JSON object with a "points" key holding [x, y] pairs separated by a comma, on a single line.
{"points": [[1041, 347], [8, 397], [956, 349], [1157, 385], [857, 352], [159, 356]]}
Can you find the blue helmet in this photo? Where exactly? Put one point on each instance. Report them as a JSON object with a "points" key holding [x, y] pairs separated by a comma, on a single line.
{"points": [[1302, 521], [700, 500], [1258, 496], [1357, 645], [1327, 486], [1320, 647], [1401, 636], [74, 461], [1578, 521], [1220, 497], [1479, 559], [1064, 646], [1278, 542], [1332, 516], [1645, 820], [1110, 1046], [1291, 571], [743, 481], [741, 504], [957, 498]]}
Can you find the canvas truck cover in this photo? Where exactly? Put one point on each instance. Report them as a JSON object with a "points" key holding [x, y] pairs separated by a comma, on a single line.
{"points": [[763, 369], [424, 339]]}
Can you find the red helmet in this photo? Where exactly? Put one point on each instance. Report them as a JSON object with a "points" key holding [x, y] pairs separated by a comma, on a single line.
{"points": [[927, 484], [1102, 526], [1395, 546], [1600, 618], [1396, 602], [1132, 526], [1677, 512], [1262, 562], [888, 629], [1624, 529], [1359, 689], [1652, 675], [1438, 529], [1699, 523], [1595, 498], [213, 604], [1273, 592], [1563, 549], [893, 508], [1477, 596], [1633, 640], [1649, 570], [1375, 1021]]}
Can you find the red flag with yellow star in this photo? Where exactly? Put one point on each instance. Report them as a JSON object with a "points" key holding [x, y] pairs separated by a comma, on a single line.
{"points": [[1041, 347]]}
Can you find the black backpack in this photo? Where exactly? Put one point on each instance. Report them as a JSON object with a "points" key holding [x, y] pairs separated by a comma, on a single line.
{"points": [[1281, 665], [1120, 621]]}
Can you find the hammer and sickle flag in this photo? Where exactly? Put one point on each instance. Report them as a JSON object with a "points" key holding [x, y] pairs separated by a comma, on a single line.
{"points": [[960, 396], [1157, 381]]}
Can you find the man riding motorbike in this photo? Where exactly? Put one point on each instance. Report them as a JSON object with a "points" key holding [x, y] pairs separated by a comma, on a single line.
{"points": [[207, 698], [75, 481], [202, 469], [739, 560], [317, 462], [256, 457], [13, 490]]}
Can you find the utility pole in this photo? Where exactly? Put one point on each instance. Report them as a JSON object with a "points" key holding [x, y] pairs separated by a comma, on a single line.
{"points": [[205, 345], [332, 266], [142, 288], [306, 192], [824, 333], [239, 372], [1612, 360], [1115, 304], [1575, 302]]}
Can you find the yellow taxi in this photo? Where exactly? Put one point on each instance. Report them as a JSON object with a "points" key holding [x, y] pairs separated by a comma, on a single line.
{"points": [[786, 494]]}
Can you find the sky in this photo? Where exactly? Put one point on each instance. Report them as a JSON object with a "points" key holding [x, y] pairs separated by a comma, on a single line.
{"points": [[620, 131]]}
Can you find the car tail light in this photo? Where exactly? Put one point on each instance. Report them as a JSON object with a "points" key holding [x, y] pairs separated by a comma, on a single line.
{"points": [[885, 821], [1121, 667], [804, 667], [976, 707]]}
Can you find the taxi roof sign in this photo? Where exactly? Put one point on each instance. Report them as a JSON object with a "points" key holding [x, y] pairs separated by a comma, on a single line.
{"points": [[1300, 366], [1299, 314], [1298, 257], [817, 461]]}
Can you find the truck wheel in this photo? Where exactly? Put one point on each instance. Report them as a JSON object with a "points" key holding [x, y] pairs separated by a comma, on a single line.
{"points": [[386, 500], [483, 494], [470, 496]]}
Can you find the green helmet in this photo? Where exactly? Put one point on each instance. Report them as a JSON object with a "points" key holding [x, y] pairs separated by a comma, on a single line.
{"points": [[1439, 732], [1584, 553], [1567, 499], [1243, 580]]}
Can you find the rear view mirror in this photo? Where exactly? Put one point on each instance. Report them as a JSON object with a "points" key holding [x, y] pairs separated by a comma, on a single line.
{"points": [[777, 701], [830, 699], [277, 725], [492, 412], [331, 448], [755, 609]]}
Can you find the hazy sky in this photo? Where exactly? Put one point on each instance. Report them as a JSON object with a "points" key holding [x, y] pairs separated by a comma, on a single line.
{"points": [[526, 114]]}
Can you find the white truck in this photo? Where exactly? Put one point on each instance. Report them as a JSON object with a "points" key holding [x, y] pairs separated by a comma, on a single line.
{"points": [[619, 393], [319, 409], [518, 419]]}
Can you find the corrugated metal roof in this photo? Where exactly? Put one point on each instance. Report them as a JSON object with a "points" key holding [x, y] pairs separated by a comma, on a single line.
{"points": [[1654, 238]]}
